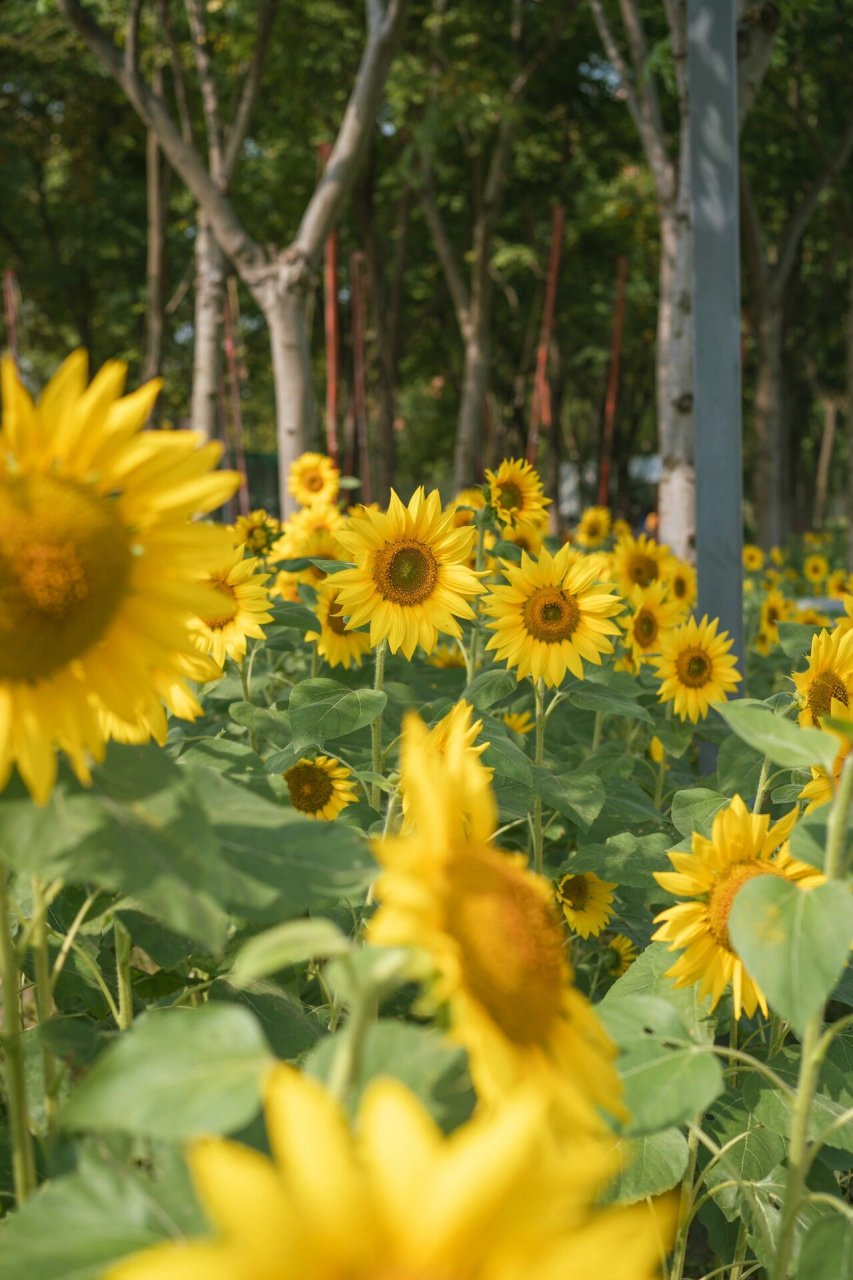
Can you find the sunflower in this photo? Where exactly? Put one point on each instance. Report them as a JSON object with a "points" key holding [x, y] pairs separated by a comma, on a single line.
{"points": [[335, 642], [763, 642], [550, 617], [657, 750], [491, 930], [775, 608], [313, 478], [638, 562], [257, 532], [286, 586], [593, 527], [680, 579], [393, 1196], [515, 493], [838, 584], [812, 618], [753, 558], [777, 556], [465, 504], [320, 787], [821, 789], [410, 581], [828, 676], [696, 669], [452, 739], [621, 528], [525, 535], [99, 568], [311, 534], [586, 901], [742, 846], [623, 954], [815, 569], [242, 604], [519, 721], [653, 617], [447, 656]]}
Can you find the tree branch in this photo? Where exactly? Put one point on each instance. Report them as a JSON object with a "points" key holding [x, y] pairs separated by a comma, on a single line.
{"points": [[795, 227], [359, 118], [209, 95], [131, 35], [444, 249], [236, 135], [676, 17], [752, 237], [756, 34]]}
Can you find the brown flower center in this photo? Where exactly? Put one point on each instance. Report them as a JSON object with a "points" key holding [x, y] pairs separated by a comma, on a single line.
{"points": [[334, 621], [551, 614], [228, 606], [694, 668], [510, 497], [314, 481], [822, 690], [722, 896], [510, 945], [679, 586], [643, 569], [65, 564], [574, 892], [310, 787], [645, 628], [406, 572]]}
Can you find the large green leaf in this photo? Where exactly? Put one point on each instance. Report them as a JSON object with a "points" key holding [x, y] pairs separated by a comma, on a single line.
{"points": [[751, 1151], [174, 1074], [490, 687], [324, 709], [578, 796], [649, 1165], [617, 696], [295, 942], [808, 839], [625, 858], [782, 741], [647, 976], [794, 942], [694, 808], [508, 760], [827, 1250]]}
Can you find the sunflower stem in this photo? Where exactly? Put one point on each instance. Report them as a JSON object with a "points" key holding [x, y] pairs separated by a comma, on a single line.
{"points": [[739, 1254], [679, 1254], [376, 726], [539, 757], [598, 730], [44, 998], [836, 843], [125, 987], [762, 786], [660, 781], [23, 1156]]}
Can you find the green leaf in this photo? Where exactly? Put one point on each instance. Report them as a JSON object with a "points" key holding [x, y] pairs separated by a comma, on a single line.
{"points": [[648, 976], [508, 760], [265, 722], [287, 613], [794, 942], [796, 638], [694, 808], [489, 687], [827, 1250], [782, 741], [618, 697], [738, 767], [323, 709], [668, 1078], [293, 943], [577, 796], [176, 1073], [625, 858], [808, 839], [649, 1165], [751, 1152]]}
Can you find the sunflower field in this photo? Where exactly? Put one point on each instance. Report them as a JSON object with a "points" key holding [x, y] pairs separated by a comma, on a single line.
{"points": [[400, 895]]}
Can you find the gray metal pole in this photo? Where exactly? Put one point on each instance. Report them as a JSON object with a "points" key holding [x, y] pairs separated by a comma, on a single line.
{"points": [[712, 79]]}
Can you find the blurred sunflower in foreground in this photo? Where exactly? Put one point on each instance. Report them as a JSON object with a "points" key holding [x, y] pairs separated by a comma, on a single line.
{"points": [[100, 568], [394, 1197]]}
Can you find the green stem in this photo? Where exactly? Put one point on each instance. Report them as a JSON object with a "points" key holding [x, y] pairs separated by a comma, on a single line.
{"points": [[679, 1254], [125, 987], [836, 838], [68, 940], [539, 757], [660, 781], [315, 662], [245, 681], [376, 726], [762, 786], [23, 1156], [739, 1254], [474, 646], [598, 730], [350, 1045], [44, 998]]}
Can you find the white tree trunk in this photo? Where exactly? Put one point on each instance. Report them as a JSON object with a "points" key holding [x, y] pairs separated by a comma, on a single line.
{"points": [[295, 398], [769, 438], [674, 376], [467, 456], [209, 297]]}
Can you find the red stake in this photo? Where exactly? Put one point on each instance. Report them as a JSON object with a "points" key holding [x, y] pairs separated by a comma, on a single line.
{"points": [[359, 388], [612, 385], [540, 410], [333, 329]]}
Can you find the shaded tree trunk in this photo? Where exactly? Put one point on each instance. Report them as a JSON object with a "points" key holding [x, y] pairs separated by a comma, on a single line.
{"points": [[468, 450], [157, 201], [849, 410], [295, 397], [827, 440], [207, 353], [768, 423]]}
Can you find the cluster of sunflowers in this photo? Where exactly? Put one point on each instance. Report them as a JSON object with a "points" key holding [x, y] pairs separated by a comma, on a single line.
{"points": [[511, 826]]}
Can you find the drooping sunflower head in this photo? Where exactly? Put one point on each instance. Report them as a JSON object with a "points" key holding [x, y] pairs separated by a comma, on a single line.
{"points": [[828, 676], [320, 787], [464, 506], [652, 617], [775, 608], [313, 478], [516, 494], [742, 846], [586, 901], [696, 668], [753, 558], [447, 656], [242, 604], [680, 579], [411, 581], [815, 569], [257, 532], [593, 527], [100, 565], [838, 584], [637, 562], [623, 952], [519, 721], [551, 616], [525, 535], [336, 641], [821, 789]]}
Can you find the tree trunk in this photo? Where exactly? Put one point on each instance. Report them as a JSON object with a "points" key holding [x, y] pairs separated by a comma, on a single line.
{"points": [[674, 376], [155, 270], [821, 489], [209, 299], [467, 455], [768, 423], [295, 408], [849, 408]]}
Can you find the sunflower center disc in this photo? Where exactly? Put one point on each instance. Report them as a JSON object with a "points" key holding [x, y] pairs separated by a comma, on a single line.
{"points": [[643, 570], [645, 629], [65, 564], [822, 690], [723, 894], [310, 787], [574, 891], [694, 668], [510, 946], [228, 606], [314, 482], [551, 614], [406, 572], [334, 621], [510, 497]]}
